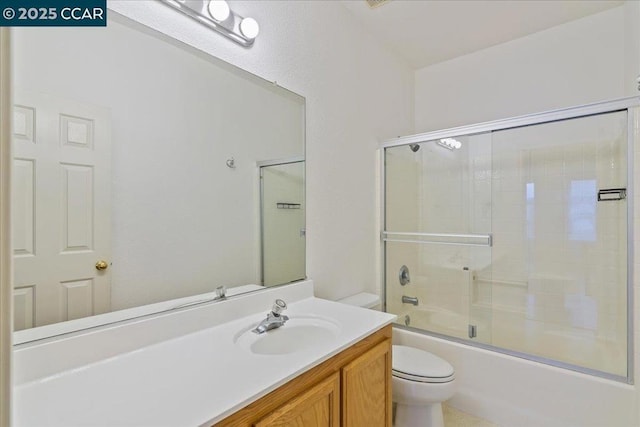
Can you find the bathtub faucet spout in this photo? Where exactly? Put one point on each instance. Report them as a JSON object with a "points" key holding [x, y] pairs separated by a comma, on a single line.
{"points": [[409, 300]]}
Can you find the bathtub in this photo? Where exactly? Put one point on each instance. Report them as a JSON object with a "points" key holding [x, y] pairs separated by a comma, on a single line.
{"points": [[517, 332], [512, 390]]}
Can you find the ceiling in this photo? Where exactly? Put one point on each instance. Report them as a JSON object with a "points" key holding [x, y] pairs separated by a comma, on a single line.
{"points": [[425, 32]]}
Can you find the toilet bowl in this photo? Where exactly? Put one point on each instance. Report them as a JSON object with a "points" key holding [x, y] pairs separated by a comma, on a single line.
{"points": [[421, 381]]}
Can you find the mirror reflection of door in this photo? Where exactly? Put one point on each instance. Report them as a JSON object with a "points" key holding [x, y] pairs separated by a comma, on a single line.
{"points": [[60, 210], [283, 214]]}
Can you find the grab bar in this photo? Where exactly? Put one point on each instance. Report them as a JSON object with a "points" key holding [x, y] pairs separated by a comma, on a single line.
{"points": [[518, 283], [438, 238]]}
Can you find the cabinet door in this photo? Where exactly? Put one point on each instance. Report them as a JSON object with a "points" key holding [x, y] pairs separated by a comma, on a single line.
{"points": [[317, 407], [366, 388]]}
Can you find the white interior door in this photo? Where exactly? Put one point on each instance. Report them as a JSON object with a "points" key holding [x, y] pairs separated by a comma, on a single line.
{"points": [[60, 210]]}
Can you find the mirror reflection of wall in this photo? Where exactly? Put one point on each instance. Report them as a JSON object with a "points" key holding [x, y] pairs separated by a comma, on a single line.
{"points": [[121, 142]]}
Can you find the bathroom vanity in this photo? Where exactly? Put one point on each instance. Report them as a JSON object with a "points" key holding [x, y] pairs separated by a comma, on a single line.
{"points": [[362, 372], [329, 365]]}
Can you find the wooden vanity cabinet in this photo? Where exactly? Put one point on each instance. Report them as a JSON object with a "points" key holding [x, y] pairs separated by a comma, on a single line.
{"points": [[352, 389], [366, 388], [318, 406]]}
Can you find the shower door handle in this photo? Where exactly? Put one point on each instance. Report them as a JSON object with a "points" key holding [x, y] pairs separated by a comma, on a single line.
{"points": [[612, 194]]}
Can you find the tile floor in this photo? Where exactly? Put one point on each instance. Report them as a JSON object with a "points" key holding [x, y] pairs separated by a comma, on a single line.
{"points": [[455, 418]]}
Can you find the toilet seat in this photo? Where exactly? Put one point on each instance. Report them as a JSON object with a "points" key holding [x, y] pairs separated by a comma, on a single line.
{"points": [[420, 366]]}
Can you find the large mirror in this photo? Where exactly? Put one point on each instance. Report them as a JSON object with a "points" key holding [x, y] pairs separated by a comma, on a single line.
{"points": [[146, 175]]}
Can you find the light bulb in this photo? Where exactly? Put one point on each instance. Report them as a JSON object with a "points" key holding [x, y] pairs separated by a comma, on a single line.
{"points": [[450, 143], [249, 28], [219, 10]]}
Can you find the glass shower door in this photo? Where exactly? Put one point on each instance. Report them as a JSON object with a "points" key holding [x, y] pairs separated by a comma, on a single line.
{"points": [[517, 239], [282, 207], [560, 241], [438, 236]]}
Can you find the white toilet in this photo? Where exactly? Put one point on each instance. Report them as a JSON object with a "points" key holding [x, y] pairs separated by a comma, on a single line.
{"points": [[421, 381]]}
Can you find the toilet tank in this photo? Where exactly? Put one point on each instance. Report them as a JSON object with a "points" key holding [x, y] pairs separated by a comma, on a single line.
{"points": [[363, 299]]}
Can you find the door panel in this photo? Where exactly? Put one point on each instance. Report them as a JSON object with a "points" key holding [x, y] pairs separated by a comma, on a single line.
{"points": [[22, 206], [77, 205], [61, 209], [23, 308]]}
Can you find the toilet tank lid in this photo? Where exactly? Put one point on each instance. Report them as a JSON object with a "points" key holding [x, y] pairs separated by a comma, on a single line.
{"points": [[362, 299], [420, 363]]}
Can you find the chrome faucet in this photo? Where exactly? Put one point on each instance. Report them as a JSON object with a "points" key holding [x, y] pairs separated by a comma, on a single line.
{"points": [[274, 318], [221, 293], [409, 300]]}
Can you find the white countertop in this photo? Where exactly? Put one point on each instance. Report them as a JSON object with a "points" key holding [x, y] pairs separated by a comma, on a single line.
{"points": [[196, 378]]}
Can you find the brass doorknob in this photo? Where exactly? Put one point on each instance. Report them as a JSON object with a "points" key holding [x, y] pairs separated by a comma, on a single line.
{"points": [[101, 265]]}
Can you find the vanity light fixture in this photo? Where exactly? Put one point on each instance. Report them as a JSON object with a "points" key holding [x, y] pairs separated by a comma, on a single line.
{"points": [[217, 15], [219, 10], [450, 143], [249, 28]]}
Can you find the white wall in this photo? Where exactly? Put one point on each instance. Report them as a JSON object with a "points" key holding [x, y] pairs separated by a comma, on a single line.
{"points": [[592, 59], [357, 93]]}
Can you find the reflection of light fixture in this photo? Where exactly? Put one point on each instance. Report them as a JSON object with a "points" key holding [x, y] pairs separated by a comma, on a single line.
{"points": [[217, 15], [450, 143], [249, 28], [219, 10]]}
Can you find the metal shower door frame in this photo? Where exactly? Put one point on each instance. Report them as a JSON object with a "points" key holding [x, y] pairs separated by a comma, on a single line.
{"points": [[260, 165], [632, 106]]}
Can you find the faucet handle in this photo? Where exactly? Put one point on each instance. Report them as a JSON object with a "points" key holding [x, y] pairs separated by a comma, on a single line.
{"points": [[278, 307]]}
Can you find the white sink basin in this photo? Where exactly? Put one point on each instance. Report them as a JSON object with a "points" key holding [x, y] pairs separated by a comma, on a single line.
{"points": [[297, 334]]}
